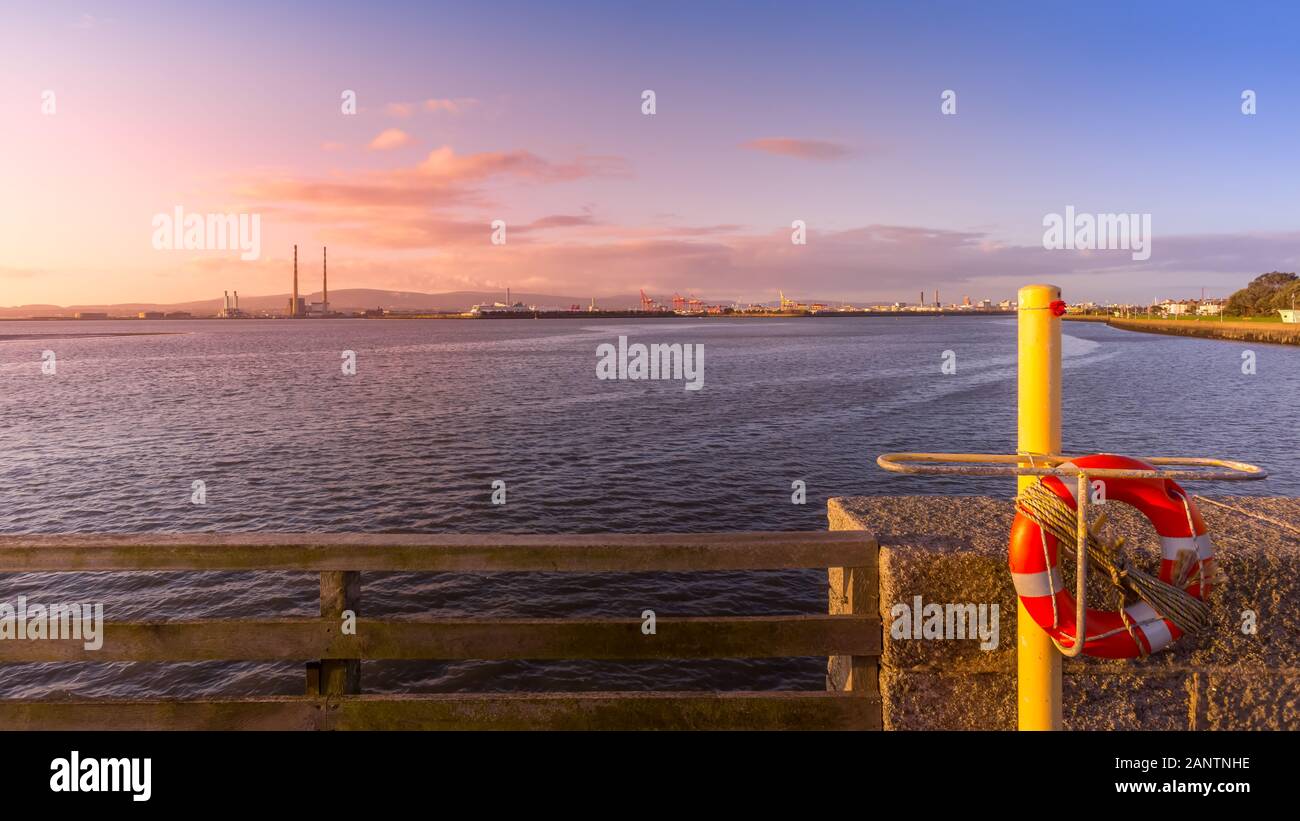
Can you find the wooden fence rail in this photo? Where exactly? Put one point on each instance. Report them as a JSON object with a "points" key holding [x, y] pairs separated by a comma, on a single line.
{"points": [[849, 635]]}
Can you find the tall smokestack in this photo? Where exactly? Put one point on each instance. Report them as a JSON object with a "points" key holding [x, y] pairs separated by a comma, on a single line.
{"points": [[936, 299], [293, 306], [225, 300], [325, 278], [236, 300], [922, 298]]}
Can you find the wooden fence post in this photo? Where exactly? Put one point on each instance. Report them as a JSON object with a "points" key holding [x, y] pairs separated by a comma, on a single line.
{"points": [[855, 591], [339, 591]]}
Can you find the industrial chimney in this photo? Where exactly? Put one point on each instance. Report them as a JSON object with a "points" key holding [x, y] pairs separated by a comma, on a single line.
{"points": [[325, 280], [236, 300], [225, 301], [293, 306]]}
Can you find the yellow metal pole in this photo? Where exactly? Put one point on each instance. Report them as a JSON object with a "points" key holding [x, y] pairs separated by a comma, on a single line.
{"points": [[1037, 661]]}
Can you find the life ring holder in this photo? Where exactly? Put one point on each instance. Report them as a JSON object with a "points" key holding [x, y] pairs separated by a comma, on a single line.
{"points": [[1058, 465]]}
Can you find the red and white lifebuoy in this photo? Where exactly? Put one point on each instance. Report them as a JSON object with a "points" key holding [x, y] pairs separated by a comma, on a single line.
{"points": [[1037, 576]]}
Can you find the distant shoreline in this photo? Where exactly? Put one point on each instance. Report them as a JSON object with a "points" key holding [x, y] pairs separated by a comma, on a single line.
{"points": [[612, 314], [1275, 333], [90, 335]]}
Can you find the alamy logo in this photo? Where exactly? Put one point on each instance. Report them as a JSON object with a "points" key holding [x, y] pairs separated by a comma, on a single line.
{"points": [[654, 361], [77, 774], [950, 621], [179, 231], [57, 622], [1099, 232]]}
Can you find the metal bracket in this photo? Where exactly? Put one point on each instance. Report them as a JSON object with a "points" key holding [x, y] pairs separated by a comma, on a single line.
{"points": [[1028, 464]]}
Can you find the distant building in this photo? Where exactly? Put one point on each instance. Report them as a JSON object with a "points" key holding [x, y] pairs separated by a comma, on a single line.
{"points": [[1210, 307], [91, 315], [499, 308], [1171, 307], [179, 315], [1291, 316], [231, 309], [151, 315]]}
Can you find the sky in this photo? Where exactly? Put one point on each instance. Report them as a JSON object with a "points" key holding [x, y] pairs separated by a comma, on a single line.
{"points": [[532, 114]]}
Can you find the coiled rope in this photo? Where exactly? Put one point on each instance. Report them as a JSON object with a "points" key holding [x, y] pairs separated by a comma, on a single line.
{"points": [[1171, 601]]}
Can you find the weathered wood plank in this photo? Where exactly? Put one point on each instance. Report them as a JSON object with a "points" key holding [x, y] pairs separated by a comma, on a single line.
{"points": [[607, 711], [309, 639], [340, 593], [512, 711], [258, 713], [855, 591], [436, 552]]}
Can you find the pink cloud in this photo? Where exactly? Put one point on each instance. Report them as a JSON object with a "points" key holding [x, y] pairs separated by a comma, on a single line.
{"points": [[389, 139], [433, 105], [445, 163], [562, 221], [443, 179], [572, 254], [804, 149], [456, 106]]}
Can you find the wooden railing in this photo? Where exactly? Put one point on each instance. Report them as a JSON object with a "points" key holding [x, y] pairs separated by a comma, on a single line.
{"points": [[850, 634]]}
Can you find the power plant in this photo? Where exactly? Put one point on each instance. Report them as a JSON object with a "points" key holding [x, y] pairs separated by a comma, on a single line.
{"points": [[298, 306], [230, 310]]}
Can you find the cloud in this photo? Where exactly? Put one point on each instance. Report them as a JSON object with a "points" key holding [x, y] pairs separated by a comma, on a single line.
{"points": [[21, 273], [454, 106], [433, 214], [577, 254], [561, 221], [821, 150], [445, 163], [457, 106], [389, 139], [873, 262], [443, 179]]}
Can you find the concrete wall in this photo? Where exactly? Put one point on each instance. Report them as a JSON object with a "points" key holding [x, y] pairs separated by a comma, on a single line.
{"points": [[952, 549]]}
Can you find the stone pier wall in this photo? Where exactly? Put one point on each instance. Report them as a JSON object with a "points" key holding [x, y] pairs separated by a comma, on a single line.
{"points": [[953, 549]]}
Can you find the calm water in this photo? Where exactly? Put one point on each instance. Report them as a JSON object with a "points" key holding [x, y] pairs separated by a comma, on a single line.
{"points": [[438, 410]]}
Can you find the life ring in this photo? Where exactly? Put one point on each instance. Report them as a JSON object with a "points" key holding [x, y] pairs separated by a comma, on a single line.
{"points": [[1037, 575]]}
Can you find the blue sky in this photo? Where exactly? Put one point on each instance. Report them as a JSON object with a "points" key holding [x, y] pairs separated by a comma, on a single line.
{"points": [[1108, 107]]}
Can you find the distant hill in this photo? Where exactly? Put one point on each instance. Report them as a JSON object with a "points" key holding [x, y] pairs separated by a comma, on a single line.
{"points": [[344, 299]]}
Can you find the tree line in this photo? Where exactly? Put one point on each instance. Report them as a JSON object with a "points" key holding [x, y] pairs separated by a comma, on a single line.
{"points": [[1266, 294]]}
